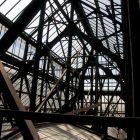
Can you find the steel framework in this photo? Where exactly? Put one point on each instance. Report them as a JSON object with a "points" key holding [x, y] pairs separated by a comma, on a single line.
{"points": [[69, 61]]}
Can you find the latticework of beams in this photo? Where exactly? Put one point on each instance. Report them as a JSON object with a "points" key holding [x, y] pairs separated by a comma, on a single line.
{"points": [[65, 56]]}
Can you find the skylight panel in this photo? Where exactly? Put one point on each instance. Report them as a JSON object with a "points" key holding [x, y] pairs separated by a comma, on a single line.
{"points": [[12, 8]]}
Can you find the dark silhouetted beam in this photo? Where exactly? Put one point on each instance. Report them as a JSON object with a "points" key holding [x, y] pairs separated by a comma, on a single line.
{"points": [[74, 119], [106, 93], [131, 26]]}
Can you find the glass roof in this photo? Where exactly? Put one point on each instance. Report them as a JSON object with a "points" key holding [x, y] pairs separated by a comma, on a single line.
{"points": [[103, 17], [95, 21], [82, 30]]}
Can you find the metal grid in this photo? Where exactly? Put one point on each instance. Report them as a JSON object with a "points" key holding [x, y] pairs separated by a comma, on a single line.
{"points": [[66, 56]]}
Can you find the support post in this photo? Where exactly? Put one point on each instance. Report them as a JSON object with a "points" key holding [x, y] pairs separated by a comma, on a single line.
{"points": [[131, 26], [37, 59]]}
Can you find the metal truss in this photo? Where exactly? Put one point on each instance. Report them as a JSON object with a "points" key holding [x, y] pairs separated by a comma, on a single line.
{"points": [[68, 57]]}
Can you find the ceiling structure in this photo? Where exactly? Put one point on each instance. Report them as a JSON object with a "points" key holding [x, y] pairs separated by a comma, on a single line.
{"points": [[62, 56]]}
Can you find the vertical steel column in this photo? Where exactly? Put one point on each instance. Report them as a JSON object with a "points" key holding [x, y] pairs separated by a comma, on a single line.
{"points": [[91, 78], [37, 59], [96, 81], [68, 68], [43, 79], [47, 83], [82, 87], [1, 119], [131, 26], [69, 57], [134, 9], [22, 76]]}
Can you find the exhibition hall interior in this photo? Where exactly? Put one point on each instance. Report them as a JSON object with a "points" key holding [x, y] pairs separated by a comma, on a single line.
{"points": [[69, 69]]}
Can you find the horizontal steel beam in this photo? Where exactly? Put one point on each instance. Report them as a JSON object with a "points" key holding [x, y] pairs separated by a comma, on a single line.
{"points": [[107, 93], [74, 119]]}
